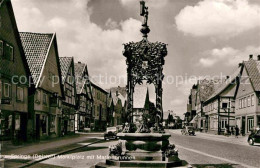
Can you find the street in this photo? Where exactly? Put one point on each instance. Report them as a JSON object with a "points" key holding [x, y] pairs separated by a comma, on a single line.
{"points": [[199, 151], [205, 149]]}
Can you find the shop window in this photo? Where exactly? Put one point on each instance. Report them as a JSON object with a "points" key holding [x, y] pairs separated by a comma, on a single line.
{"points": [[224, 123], [17, 122], [250, 124], [7, 90], [19, 93]]}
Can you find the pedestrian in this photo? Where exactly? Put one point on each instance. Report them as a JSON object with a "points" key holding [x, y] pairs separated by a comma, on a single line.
{"points": [[237, 131], [232, 130]]}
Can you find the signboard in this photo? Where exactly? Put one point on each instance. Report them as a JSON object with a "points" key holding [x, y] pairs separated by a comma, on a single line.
{"points": [[5, 101]]}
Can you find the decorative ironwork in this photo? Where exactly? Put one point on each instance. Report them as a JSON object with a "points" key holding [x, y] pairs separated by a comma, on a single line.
{"points": [[144, 61], [171, 151], [115, 150]]}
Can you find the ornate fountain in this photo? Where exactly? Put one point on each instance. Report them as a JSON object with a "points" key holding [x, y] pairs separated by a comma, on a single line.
{"points": [[144, 147]]}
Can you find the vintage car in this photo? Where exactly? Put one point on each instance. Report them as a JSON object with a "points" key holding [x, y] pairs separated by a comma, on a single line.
{"points": [[254, 137], [110, 133], [188, 130], [119, 128]]}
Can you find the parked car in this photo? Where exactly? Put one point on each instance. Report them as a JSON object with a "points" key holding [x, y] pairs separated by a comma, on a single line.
{"points": [[110, 133], [254, 137], [119, 128], [188, 130]]}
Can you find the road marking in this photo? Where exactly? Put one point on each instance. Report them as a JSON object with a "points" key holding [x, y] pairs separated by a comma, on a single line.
{"points": [[216, 157]]}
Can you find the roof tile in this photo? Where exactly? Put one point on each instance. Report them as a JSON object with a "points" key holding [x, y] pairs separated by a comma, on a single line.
{"points": [[36, 46]]}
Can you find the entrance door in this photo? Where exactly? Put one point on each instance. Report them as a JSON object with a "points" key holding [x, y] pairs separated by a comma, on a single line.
{"points": [[37, 122], [65, 127], [23, 126], [243, 129]]}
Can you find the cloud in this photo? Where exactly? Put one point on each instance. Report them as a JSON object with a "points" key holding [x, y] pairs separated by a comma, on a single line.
{"points": [[111, 24], [79, 37], [150, 3], [227, 56], [177, 102], [57, 23], [218, 18]]}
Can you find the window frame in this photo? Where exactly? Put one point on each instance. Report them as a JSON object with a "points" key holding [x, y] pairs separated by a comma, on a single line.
{"points": [[252, 99], [18, 91], [9, 91], [44, 98], [224, 122], [38, 97], [248, 101]]}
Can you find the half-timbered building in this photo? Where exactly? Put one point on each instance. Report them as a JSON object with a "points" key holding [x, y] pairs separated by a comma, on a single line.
{"points": [[69, 88]]}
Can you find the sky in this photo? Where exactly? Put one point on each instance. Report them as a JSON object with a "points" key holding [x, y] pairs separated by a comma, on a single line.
{"points": [[205, 37]]}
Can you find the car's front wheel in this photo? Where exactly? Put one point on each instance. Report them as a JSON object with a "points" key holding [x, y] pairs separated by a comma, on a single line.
{"points": [[251, 141]]}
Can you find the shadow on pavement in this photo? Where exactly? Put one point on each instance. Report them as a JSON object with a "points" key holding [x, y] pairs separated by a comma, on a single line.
{"points": [[87, 148], [214, 165]]}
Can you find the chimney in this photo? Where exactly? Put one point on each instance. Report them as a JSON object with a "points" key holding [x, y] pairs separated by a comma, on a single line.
{"points": [[117, 93], [227, 77], [251, 56], [258, 58], [79, 62]]}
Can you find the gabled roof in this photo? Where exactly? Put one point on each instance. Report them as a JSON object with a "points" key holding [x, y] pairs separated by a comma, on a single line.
{"points": [[139, 97], [122, 98], [253, 69], [226, 83], [36, 47], [94, 84], [79, 69], [109, 100], [65, 63], [206, 88], [80, 81]]}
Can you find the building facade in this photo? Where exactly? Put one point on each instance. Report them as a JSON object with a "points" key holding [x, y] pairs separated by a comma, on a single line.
{"points": [[220, 106], [247, 100], [115, 109], [45, 113], [14, 79], [100, 107], [84, 116], [69, 88]]}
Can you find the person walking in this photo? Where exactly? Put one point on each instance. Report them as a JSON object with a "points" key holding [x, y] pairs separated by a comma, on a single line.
{"points": [[232, 130], [237, 131]]}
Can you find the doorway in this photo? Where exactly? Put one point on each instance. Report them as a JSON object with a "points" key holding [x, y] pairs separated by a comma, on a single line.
{"points": [[37, 122], [243, 129]]}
